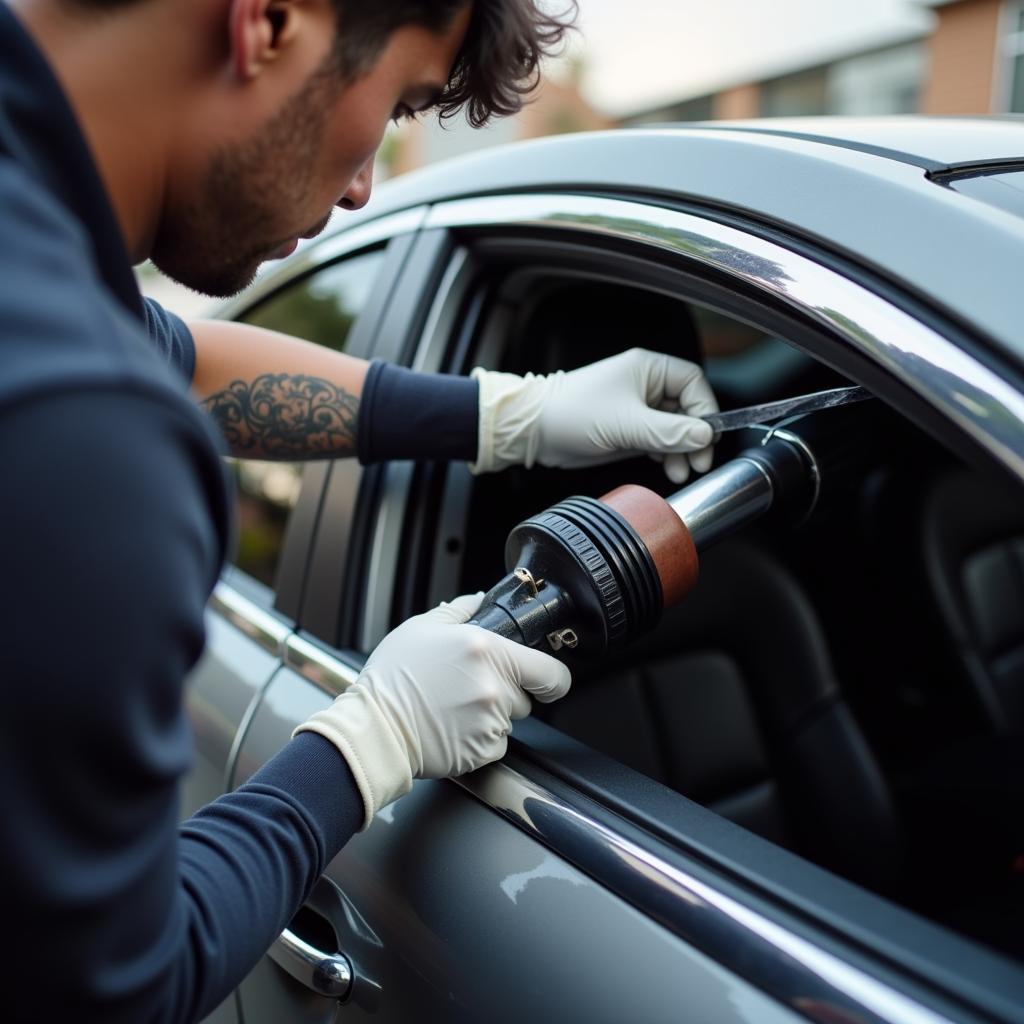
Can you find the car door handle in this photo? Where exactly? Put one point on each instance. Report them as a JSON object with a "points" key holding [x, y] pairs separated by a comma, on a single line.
{"points": [[328, 974]]}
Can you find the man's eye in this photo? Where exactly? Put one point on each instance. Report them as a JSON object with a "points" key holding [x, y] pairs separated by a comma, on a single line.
{"points": [[403, 112]]}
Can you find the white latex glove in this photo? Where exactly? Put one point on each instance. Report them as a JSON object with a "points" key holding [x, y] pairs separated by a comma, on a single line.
{"points": [[435, 699], [635, 403]]}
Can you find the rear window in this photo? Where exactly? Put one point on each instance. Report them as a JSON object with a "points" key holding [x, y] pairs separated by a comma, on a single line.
{"points": [[1003, 190]]}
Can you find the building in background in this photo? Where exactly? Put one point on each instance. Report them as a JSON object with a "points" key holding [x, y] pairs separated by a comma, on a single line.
{"points": [[971, 61], [976, 58], [884, 80]]}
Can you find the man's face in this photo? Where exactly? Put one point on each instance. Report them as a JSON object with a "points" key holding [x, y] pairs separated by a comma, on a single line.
{"points": [[253, 198]]}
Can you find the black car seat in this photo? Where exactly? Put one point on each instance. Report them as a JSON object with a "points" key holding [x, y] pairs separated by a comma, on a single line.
{"points": [[733, 702], [973, 537]]}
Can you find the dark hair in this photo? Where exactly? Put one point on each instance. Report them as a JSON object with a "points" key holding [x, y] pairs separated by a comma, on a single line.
{"points": [[498, 65]]}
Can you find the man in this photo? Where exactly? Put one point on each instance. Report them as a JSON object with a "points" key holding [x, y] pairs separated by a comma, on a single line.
{"points": [[209, 135]]}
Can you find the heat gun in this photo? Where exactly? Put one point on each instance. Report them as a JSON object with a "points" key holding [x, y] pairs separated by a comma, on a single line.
{"points": [[588, 574]]}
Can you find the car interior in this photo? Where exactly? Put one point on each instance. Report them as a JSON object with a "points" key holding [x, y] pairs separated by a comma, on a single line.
{"points": [[852, 688]]}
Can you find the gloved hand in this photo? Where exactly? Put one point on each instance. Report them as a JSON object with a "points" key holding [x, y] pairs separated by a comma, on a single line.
{"points": [[435, 699], [634, 403]]}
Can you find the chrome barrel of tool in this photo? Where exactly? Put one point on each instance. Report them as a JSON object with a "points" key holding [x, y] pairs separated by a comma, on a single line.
{"points": [[780, 470], [723, 501], [588, 574]]}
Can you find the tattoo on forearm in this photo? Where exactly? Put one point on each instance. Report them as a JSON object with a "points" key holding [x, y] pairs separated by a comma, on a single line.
{"points": [[286, 416]]}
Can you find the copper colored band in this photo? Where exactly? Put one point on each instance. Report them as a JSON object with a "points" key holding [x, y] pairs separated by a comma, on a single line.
{"points": [[663, 533]]}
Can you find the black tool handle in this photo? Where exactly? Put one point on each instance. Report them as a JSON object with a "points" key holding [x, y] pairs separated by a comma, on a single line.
{"points": [[583, 581], [531, 614]]}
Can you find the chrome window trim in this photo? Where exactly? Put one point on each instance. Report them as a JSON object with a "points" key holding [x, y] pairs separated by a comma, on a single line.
{"points": [[319, 252], [812, 982], [258, 624], [316, 666], [975, 398]]}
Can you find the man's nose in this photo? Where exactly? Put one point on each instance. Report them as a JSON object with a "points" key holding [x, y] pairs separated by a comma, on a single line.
{"points": [[357, 195]]}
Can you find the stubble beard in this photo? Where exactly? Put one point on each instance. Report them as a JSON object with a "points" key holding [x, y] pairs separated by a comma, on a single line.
{"points": [[215, 243]]}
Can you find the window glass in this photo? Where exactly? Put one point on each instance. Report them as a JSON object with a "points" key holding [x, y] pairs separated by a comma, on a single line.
{"points": [[321, 308], [1004, 191], [883, 82], [744, 362]]}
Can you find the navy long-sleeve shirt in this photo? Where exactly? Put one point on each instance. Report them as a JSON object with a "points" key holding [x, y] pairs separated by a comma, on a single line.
{"points": [[115, 521]]}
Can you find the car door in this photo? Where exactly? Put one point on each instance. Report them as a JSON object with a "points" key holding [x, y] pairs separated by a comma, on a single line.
{"points": [[333, 299], [561, 884]]}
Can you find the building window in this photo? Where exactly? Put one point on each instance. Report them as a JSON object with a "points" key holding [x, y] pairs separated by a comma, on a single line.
{"points": [[701, 108], [885, 81], [796, 95], [1013, 49]]}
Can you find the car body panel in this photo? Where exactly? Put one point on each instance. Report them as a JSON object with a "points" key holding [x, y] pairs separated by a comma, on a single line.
{"points": [[218, 695], [825, 193], [462, 918]]}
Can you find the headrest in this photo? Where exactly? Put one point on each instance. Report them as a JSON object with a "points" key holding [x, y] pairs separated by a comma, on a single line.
{"points": [[581, 322]]}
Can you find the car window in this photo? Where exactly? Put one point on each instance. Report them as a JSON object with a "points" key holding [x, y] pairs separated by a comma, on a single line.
{"points": [[745, 363], [822, 686], [1004, 190], [321, 308]]}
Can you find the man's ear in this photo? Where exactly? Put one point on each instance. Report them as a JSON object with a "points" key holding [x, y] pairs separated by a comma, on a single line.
{"points": [[260, 30]]}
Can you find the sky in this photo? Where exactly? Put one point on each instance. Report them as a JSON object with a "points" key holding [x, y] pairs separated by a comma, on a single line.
{"points": [[638, 53]]}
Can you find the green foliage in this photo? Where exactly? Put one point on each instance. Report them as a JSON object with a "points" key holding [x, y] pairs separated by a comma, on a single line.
{"points": [[304, 313]]}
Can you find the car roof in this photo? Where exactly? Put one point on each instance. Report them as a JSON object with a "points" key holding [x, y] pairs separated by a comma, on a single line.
{"points": [[862, 188], [935, 143]]}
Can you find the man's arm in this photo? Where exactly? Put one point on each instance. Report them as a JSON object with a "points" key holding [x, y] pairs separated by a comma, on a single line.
{"points": [[276, 397]]}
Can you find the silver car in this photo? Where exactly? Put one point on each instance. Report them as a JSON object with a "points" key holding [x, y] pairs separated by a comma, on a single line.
{"points": [[801, 796]]}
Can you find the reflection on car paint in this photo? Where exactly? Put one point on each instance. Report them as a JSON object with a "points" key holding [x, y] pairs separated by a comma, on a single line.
{"points": [[550, 869]]}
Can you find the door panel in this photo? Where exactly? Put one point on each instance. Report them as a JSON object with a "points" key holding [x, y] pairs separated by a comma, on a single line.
{"points": [[459, 916], [219, 691], [233, 670]]}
